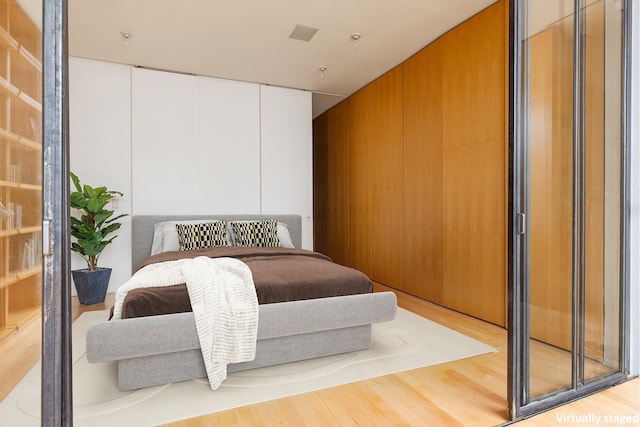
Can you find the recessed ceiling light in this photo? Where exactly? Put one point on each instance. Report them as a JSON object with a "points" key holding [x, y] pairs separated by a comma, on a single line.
{"points": [[303, 32]]}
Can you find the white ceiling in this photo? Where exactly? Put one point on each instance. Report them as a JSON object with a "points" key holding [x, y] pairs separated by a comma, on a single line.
{"points": [[249, 40]]}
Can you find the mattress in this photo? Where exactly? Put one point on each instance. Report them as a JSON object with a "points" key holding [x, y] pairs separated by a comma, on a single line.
{"points": [[279, 274]]}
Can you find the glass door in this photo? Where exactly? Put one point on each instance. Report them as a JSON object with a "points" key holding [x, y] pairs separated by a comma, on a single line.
{"points": [[20, 169], [567, 317], [20, 194]]}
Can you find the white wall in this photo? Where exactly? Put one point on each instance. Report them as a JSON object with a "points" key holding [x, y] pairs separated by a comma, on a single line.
{"points": [[229, 146], [287, 156], [100, 146], [199, 153], [164, 151], [181, 144], [204, 145]]}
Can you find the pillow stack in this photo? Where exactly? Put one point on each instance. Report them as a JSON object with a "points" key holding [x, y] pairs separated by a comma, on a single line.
{"points": [[190, 235]]}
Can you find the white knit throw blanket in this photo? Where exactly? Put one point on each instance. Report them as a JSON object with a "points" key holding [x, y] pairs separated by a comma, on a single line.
{"points": [[224, 303]]}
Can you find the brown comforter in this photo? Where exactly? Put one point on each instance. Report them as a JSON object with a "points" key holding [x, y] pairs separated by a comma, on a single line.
{"points": [[279, 274]]}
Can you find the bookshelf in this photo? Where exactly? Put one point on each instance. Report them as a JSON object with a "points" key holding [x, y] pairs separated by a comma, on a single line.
{"points": [[20, 168]]}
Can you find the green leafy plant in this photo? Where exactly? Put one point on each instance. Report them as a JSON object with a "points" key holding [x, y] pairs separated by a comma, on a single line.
{"points": [[95, 223]]}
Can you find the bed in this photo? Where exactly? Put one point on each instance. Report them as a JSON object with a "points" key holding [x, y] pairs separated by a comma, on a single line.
{"points": [[163, 348]]}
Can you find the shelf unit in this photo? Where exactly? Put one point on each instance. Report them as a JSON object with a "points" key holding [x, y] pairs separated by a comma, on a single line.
{"points": [[20, 168]]}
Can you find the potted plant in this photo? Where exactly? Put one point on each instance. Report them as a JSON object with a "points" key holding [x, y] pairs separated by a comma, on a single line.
{"points": [[92, 230]]}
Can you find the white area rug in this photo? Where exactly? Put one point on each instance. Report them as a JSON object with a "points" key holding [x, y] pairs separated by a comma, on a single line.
{"points": [[408, 342]]}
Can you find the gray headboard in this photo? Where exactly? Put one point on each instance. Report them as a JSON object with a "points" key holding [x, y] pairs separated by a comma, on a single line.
{"points": [[142, 229]]}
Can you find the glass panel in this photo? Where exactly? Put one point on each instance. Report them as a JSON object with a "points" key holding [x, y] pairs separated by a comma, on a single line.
{"points": [[549, 50], [602, 187], [572, 171], [20, 194]]}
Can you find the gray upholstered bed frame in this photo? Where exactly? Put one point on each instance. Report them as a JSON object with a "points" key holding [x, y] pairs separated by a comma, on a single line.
{"points": [[164, 349]]}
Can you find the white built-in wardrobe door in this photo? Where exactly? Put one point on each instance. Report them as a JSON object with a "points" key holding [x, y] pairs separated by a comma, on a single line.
{"points": [[286, 163], [165, 143], [100, 147], [229, 146]]}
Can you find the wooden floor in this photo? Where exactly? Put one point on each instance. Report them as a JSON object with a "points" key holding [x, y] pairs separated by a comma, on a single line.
{"points": [[470, 392], [616, 406], [21, 350]]}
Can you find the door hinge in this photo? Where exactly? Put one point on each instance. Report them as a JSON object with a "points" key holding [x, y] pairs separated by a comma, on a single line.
{"points": [[521, 223]]}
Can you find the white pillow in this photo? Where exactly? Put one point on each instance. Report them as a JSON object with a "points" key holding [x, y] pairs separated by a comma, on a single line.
{"points": [[284, 236], [165, 235]]}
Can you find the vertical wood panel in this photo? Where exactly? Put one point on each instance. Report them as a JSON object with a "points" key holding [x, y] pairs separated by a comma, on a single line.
{"points": [[360, 136], [338, 183], [320, 178], [331, 183], [431, 151], [473, 166], [375, 179], [422, 163], [386, 179]]}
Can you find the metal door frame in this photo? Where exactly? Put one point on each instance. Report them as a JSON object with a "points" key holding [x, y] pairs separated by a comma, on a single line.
{"points": [[520, 405], [56, 394]]}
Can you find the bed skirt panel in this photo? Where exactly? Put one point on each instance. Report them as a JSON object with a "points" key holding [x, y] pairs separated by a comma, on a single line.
{"points": [[162, 349], [184, 365]]}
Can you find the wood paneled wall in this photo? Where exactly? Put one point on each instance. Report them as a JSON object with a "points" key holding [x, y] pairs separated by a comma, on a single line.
{"points": [[423, 226], [473, 161], [361, 131], [331, 182], [383, 103], [426, 172]]}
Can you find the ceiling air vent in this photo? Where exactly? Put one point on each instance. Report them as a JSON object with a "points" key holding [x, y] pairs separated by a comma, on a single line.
{"points": [[303, 32]]}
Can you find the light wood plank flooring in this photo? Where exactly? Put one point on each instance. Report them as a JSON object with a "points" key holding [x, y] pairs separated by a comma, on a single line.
{"points": [[616, 406], [21, 350], [470, 392]]}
